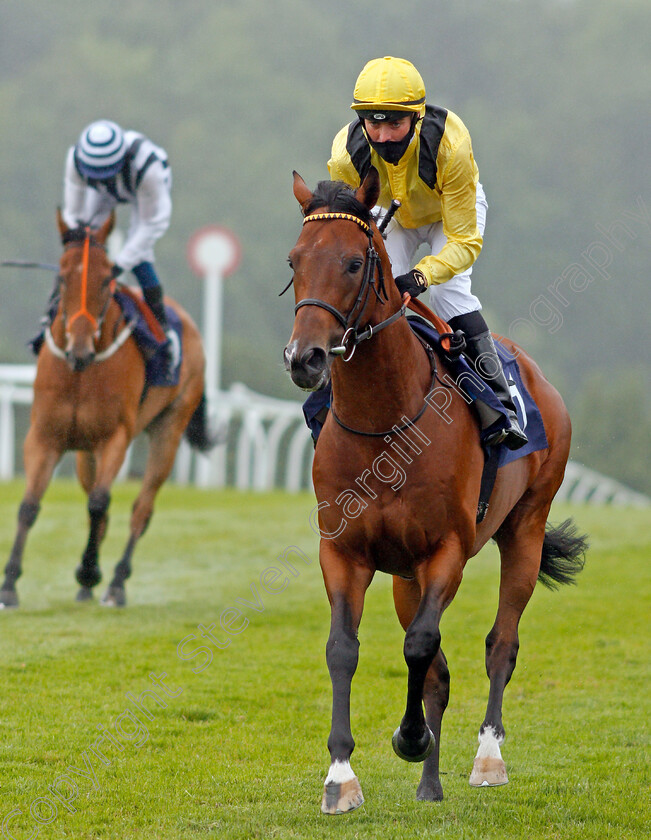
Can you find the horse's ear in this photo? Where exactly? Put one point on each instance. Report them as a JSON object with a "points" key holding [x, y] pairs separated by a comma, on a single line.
{"points": [[104, 232], [63, 227], [301, 191], [369, 191]]}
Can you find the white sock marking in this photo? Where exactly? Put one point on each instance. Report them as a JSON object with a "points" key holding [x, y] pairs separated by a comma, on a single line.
{"points": [[340, 772], [489, 744]]}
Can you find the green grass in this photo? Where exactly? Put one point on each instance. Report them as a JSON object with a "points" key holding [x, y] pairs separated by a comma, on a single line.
{"points": [[240, 750]]}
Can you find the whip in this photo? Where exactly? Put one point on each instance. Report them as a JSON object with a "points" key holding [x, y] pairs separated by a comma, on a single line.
{"points": [[29, 264]]}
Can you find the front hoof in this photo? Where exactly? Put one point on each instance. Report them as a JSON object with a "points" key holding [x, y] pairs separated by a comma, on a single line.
{"points": [[85, 594], [87, 577], [488, 772], [417, 751], [115, 596], [8, 598], [341, 797]]}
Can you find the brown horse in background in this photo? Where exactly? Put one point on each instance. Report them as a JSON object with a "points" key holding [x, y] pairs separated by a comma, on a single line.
{"points": [[397, 484], [90, 396]]}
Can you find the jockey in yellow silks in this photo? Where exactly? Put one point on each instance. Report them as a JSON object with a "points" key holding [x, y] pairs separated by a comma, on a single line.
{"points": [[424, 157]]}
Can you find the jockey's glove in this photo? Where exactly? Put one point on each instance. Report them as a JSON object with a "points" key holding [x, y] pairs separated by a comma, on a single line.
{"points": [[413, 282], [117, 270]]}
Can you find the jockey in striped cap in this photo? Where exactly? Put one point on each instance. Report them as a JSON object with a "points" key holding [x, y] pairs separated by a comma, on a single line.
{"points": [[106, 167]]}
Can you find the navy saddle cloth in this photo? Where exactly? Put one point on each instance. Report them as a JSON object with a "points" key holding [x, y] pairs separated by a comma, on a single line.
{"points": [[150, 347], [475, 389]]}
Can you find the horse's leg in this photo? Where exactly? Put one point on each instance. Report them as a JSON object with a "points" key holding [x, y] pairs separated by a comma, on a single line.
{"points": [[520, 541], [40, 461], [438, 580], [164, 438], [86, 466], [97, 476], [436, 691], [88, 573], [346, 585]]}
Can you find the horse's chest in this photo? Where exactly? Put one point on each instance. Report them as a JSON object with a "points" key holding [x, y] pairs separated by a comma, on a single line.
{"points": [[392, 528], [83, 417]]}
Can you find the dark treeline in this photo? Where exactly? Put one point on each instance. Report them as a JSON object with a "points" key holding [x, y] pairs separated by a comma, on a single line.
{"points": [[241, 92]]}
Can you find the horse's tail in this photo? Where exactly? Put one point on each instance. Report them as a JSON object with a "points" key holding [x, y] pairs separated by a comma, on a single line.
{"points": [[563, 554], [198, 432]]}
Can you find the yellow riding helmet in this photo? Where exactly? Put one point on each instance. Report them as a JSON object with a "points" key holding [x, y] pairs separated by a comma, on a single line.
{"points": [[389, 84]]}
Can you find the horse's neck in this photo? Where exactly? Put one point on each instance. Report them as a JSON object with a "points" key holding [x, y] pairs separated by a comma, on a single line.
{"points": [[389, 374]]}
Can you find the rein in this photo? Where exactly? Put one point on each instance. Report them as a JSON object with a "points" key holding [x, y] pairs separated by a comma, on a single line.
{"points": [[372, 267], [394, 429]]}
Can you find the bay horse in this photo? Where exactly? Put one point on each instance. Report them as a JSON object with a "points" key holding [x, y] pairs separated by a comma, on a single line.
{"points": [[90, 396], [397, 486]]}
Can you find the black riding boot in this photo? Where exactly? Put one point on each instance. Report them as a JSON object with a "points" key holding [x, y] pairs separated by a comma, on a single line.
{"points": [[153, 296], [481, 352]]}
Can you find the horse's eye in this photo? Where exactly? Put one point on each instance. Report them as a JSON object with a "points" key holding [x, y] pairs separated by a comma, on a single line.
{"points": [[290, 263], [355, 265]]}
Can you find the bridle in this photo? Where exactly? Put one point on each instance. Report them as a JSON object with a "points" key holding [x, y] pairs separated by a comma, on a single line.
{"points": [[352, 321], [84, 238], [351, 336], [70, 240]]}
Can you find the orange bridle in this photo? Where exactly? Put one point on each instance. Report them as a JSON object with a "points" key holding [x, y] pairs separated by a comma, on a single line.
{"points": [[83, 309]]}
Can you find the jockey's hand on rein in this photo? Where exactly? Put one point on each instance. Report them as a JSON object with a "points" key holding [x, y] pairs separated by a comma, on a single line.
{"points": [[412, 282]]}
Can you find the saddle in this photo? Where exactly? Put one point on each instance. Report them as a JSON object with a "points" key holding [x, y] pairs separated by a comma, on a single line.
{"points": [[149, 335], [145, 312]]}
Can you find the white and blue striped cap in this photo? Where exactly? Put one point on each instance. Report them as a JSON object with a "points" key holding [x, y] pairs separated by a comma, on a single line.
{"points": [[100, 149]]}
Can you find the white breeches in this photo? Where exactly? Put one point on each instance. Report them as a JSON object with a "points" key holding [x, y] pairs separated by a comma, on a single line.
{"points": [[448, 299]]}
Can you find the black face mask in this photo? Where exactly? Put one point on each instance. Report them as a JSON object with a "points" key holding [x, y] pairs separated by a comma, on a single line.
{"points": [[391, 150]]}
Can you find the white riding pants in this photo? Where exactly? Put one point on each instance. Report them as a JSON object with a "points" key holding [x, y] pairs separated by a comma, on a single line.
{"points": [[448, 299]]}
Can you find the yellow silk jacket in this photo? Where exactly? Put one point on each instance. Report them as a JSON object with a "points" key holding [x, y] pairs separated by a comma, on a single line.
{"points": [[435, 181]]}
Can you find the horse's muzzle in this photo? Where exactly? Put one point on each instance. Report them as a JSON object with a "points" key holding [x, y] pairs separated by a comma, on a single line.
{"points": [[77, 363], [80, 352], [308, 367]]}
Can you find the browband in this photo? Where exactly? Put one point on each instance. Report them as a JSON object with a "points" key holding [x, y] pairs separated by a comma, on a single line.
{"points": [[317, 217]]}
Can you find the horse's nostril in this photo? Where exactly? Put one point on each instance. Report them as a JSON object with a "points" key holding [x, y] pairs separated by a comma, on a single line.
{"points": [[307, 367], [314, 359]]}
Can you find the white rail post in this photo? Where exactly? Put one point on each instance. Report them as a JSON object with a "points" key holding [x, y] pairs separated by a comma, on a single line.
{"points": [[213, 253]]}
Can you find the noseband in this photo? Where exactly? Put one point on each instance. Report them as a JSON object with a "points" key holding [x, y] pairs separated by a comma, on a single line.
{"points": [[372, 267]]}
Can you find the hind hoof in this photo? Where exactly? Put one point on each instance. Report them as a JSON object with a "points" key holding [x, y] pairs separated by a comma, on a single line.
{"points": [[8, 598], [430, 792], [115, 596], [85, 594], [413, 752], [341, 797], [488, 772]]}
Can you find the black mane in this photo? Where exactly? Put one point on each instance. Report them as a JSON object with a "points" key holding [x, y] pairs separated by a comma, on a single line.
{"points": [[338, 197]]}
